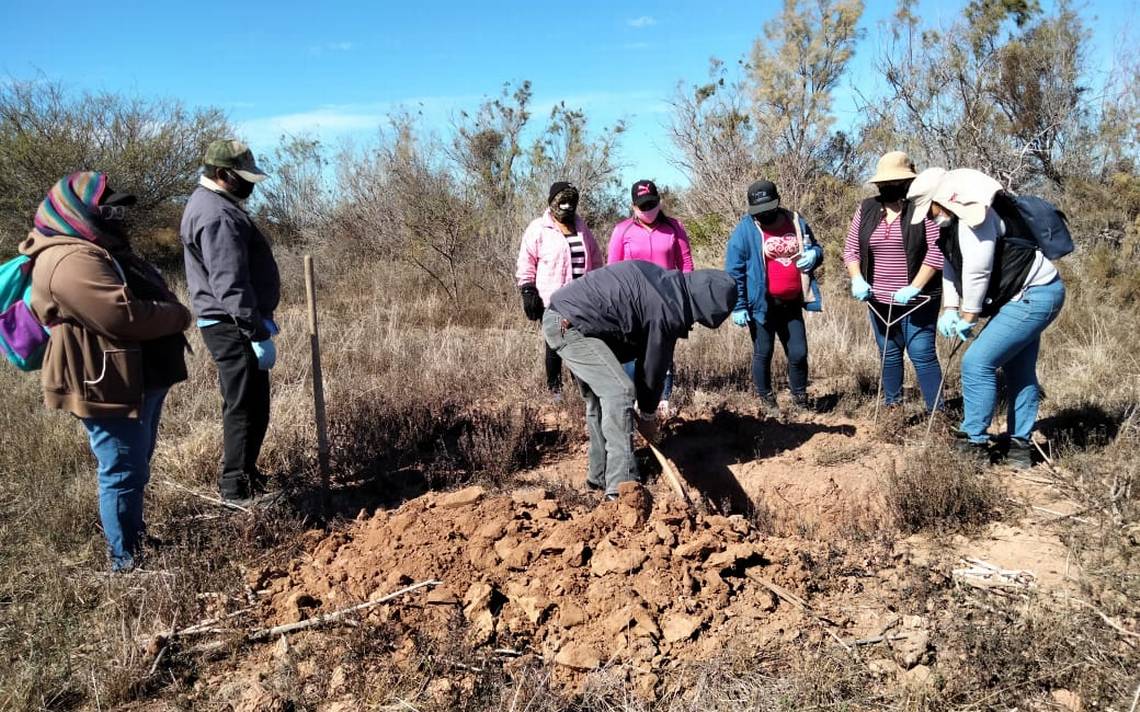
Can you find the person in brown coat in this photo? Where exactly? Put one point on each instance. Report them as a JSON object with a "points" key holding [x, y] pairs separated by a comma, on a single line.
{"points": [[116, 343]]}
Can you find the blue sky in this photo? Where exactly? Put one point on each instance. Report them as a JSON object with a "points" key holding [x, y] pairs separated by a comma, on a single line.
{"points": [[336, 68]]}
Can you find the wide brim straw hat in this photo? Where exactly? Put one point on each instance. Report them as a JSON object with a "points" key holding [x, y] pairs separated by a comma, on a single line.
{"points": [[895, 165]]}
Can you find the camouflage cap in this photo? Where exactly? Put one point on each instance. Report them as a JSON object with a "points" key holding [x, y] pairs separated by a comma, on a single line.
{"points": [[235, 155]]}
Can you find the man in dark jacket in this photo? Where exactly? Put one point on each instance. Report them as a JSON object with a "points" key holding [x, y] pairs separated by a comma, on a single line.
{"points": [[629, 311], [234, 289]]}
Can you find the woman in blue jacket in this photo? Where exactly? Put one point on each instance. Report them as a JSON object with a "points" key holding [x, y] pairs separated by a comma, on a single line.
{"points": [[772, 255]]}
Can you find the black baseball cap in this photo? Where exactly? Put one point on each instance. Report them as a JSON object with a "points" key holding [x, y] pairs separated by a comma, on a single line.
{"points": [[644, 191], [557, 187], [762, 197]]}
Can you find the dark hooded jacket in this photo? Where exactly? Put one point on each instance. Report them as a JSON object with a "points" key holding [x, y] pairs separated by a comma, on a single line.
{"points": [[640, 310]]}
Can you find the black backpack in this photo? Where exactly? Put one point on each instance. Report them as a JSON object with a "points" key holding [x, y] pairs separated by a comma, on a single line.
{"points": [[1032, 225], [1034, 222]]}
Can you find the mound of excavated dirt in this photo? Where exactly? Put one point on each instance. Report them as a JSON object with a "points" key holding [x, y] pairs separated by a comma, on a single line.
{"points": [[648, 584]]}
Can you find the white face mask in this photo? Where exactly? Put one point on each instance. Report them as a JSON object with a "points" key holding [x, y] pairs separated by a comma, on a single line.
{"points": [[942, 220]]}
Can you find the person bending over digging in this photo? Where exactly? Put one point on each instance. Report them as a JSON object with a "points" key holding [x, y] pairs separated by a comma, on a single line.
{"points": [[630, 311], [991, 271]]}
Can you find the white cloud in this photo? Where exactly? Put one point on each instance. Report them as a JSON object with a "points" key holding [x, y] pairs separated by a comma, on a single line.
{"points": [[641, 22], [335, 121]]}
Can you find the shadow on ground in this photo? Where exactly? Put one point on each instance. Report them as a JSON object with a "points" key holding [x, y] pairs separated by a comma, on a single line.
{"points": [[704, 450]]}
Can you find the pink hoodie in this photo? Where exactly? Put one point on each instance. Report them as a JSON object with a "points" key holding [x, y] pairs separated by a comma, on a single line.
{"points": [[665, 244], [544, 256]]}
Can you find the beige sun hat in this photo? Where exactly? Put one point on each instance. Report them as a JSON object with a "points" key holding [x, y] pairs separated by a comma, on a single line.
{"points": [[921, 192], [966, 192], [895, 165]]}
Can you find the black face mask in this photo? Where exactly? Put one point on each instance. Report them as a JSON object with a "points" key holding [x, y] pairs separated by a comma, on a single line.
{"points": [[769, 217], [892, 193], [237, 186], [564, 215]]}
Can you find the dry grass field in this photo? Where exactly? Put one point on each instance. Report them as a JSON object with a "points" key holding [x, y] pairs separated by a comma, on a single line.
{"points": [[424, 398]]}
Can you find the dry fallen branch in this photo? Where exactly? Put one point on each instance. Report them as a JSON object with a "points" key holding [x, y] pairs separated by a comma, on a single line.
{"points": [[780, 591], [206, 497], [334, 616]]}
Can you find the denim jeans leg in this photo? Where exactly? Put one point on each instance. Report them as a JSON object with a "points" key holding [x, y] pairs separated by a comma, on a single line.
{"points": [[920, 346], [596, 460], [596, 368], [121, 447], [891, 339], [1015, 328], [1022, 390], [151, 416]]}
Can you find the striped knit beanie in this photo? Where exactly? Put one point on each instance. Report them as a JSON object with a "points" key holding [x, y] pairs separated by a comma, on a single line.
{"points": [[70, 206]]}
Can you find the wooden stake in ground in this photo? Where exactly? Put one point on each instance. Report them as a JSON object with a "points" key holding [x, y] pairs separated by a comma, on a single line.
{"points": [[318, 385], [671, 475]]}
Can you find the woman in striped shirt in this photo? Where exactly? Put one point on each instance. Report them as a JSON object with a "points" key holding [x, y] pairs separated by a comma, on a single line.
{"points": [[895, 266]]}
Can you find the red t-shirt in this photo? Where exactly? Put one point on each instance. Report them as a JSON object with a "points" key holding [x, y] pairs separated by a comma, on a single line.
{"points": [[781, 249]]}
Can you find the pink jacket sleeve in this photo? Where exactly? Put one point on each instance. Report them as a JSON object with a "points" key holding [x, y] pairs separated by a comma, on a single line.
{"points": [[617, 245], [686, 254], [527, 265]]}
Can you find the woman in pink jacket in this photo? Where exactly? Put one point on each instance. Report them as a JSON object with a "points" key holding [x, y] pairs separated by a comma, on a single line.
{"points": [[652, 236], [557, 247]]}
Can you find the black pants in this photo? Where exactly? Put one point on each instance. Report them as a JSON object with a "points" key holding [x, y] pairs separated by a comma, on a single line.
{"points": [[553, 370], [785, 320], [245, 410]]}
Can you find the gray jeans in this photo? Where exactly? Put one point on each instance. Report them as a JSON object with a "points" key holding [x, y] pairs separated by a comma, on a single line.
{"points": [[609, 396]]}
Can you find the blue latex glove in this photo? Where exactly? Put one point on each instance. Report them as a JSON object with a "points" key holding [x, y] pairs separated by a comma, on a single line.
{"points": [[265, 352], [964, 329], [860, 289], [271, 327], [947, 321], [740, 317], [906, 294], [807, 261]]}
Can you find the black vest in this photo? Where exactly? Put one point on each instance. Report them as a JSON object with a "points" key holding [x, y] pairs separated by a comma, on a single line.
{"points": [[871, 213], [1013, 258]]}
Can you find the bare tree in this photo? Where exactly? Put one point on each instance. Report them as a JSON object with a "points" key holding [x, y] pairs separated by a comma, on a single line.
{"points": [[150, 148], [1000, 90], [796, 66], [716, 145]]}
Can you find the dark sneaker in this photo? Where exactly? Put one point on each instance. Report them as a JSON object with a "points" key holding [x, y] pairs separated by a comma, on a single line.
{"points": [[966, 446], [1020, 455], [769, 408], [803, 403], [594, 485]]}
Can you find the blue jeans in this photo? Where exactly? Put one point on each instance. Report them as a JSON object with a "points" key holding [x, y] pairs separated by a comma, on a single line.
{"points": [[1010, 341], [123, 447], [914, 334], [609, 395], [631, 367]]}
